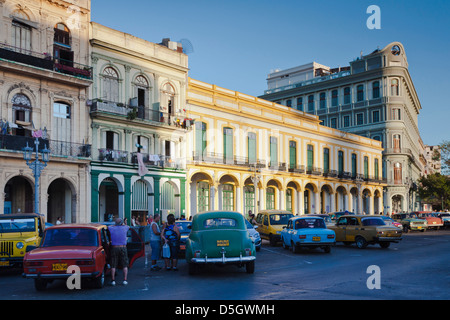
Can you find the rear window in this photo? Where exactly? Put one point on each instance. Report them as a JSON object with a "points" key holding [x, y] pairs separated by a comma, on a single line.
{"points": [[70, 237], [278, 219], [309, 223], [372, 222], [17, 225], [219, 223]]}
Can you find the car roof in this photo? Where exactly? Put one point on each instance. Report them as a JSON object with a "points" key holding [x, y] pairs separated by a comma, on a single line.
{"points": [[20, 215], [200, 217], [77, 225], [275, 211]]}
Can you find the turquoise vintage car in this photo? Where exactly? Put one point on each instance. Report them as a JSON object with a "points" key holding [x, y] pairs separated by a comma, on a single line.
{"points": [[307, 232], [219, 237]]}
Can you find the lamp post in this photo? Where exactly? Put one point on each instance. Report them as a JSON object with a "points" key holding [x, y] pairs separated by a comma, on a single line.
{"points": [[36, 166]]}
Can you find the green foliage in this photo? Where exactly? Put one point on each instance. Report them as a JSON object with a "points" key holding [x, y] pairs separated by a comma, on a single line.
{"points": [[435, 189], [445, 156]]}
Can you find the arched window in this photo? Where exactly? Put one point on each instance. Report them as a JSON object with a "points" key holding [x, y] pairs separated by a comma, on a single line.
{"points": [[62, 50], [397, 173], [21, 106], [21, 32], [110, 84], [168, 98]]}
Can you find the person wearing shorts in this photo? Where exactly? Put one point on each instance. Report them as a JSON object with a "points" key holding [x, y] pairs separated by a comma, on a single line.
{"points": [[171, 236], [119, 254]]}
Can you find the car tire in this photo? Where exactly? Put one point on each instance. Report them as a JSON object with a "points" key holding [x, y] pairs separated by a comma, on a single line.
{"points": [[99, 282], [40, 284], [294, 248], [250, 267], [361, 243], [327, 249], [405, 229], [192, 268], [285, 246], [385, 245]]}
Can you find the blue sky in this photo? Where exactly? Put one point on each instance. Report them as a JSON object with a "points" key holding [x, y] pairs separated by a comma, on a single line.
{"points": [[237, 43]]}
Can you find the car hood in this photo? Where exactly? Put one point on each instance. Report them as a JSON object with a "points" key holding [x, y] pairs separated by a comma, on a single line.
{"points": [[61, 253], [18, 236]]}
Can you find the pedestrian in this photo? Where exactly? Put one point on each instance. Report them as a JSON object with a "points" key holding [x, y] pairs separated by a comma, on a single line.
{"points": [[58, 221], [171, 236], [155, 241], [119, 254]]}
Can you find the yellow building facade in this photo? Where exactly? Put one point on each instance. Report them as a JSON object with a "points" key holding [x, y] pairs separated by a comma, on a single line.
{"points": [[248, 154]]}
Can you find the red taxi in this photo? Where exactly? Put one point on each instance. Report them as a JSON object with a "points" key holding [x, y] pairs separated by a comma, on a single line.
{"points": [[84, 245], [432, 219]]}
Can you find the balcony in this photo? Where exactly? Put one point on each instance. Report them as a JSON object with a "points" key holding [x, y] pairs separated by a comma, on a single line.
{"points": [[45, 61], [103, 107], [296, 168], [219, 158], [125, 157], [57, 148]]}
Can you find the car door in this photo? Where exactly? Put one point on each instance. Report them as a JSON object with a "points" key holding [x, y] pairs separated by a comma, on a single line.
{"points": [[135, 246], [353, 229], [106, 244], [341, 225], [287, 233]]}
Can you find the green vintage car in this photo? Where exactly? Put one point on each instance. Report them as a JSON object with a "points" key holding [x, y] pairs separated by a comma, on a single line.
{"points": [[219, 237], [410, 222]]}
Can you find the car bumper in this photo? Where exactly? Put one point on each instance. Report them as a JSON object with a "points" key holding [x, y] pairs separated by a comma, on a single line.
{"points": [[388, 239], [223, 259], [315, 244], [52, 276], [8, 262]]}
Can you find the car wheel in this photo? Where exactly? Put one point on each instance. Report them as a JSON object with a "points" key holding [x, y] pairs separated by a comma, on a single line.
{"points": [[40, 284], [294, 248], [99, 282], [193, 268], [327, 249], [405, 229], [361, 243], [285, 246], [385, 245], [250, 267]]}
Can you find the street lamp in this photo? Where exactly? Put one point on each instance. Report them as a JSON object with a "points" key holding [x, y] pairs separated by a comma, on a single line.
{"points": [[37, 166]]}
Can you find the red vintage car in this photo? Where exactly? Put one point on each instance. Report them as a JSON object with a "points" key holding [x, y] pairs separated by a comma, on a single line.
{"points": [[84, 245], [432, 219]]}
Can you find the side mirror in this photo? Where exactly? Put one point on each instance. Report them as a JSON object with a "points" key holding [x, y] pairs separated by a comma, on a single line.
{"points": [[255, 227]]}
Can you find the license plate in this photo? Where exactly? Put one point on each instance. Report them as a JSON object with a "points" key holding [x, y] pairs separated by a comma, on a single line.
{"points": [[59, 267], [419, 227], [223, 243], [4, 263], [182, 247], [316, 238]]}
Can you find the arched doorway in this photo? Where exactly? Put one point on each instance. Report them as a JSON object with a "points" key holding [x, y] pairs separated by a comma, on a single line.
{"points": [[19, 196], [326, 199], [341, 203], [111, 200], [61, 202], [227, 193], [309, 199], [397, 204], [140, 201]]}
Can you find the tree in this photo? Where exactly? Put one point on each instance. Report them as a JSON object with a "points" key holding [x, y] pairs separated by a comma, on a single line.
{"points": [[435, 189]]}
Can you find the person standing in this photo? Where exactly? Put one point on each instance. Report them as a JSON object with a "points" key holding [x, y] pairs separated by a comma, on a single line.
{"points": [[171, 236], [119, 254], [155, 242]]}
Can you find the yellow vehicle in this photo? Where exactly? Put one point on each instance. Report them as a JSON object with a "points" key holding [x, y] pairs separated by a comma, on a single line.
{"points": [[364, 230], [17, 232], [270, 224]]}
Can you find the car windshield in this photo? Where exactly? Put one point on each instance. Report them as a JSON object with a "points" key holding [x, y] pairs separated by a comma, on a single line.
{"points": [[70, 237], [310, 223], [372, 222], [17, 225], [183, 226], [219, 223], [280, 218], [445, 214]]}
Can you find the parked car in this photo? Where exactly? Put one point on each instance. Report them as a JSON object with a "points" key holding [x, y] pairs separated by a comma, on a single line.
{"points": [[410, 222], [364, 230], [270, 224], [445, 217], [219, 237], [254, 234], [391, 222], [307, 232], [185, 229], [86, 245], [337, 215], [17, 233], [433, 221], [326, 217]]}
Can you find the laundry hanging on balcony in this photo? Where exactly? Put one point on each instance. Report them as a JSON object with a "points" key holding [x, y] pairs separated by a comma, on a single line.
{"points": [[142, 169]]}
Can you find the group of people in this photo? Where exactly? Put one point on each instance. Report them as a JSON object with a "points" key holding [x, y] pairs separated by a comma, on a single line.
{"points": [[167, 234]]}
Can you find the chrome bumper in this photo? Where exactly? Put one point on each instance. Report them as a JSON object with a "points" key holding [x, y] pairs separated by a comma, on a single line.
{"points": [[224, 259]]}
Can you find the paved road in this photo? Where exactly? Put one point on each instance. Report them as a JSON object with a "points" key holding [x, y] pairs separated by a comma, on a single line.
{"points": [[416, 268]]}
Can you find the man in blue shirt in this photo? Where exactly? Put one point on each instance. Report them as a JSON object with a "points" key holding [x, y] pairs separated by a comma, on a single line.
{"points": [[119, 254]]}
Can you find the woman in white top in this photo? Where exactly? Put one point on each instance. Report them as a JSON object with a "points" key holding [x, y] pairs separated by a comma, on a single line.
{"points": [[155, 241]]}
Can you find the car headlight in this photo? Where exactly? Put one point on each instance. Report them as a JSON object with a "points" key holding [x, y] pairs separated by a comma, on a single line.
{"points": [[19, 245]]}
